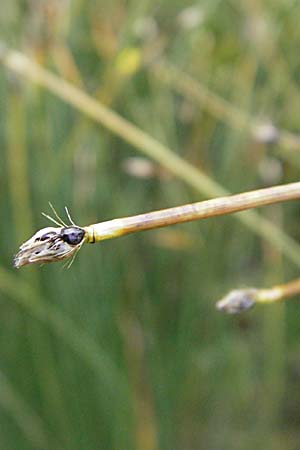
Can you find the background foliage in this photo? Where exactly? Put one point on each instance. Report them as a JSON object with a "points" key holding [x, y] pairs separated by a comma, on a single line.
{"points": [[125, 350]]}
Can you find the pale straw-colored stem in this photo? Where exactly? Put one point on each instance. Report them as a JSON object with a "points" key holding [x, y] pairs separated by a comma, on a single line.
{"points": [[194, 177], [239, 300], [278, 293], [194, 211]]}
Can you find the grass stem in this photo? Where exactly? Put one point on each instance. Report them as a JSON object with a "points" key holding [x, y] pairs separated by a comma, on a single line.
{"points": [[25, 67]]}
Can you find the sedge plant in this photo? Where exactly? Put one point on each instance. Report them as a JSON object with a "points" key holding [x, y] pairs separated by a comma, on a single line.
{"points": [[53, 244]]}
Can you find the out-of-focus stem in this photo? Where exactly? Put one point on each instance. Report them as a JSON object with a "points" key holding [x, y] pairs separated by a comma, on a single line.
{"points": [[280, 292], [240, 300], [222, 109]]}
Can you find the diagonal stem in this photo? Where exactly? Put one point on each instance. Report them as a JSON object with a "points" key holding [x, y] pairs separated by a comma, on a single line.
{"points": [[194, 211], [22, 65]]}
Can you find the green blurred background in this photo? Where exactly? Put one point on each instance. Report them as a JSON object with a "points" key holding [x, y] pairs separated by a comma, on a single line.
{"points": [[125, 350]]}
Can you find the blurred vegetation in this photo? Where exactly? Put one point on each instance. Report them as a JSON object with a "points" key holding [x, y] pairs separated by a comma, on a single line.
{"points": [[125, 350]]}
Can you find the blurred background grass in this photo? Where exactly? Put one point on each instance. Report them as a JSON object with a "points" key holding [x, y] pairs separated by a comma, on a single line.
{"points": [[125, 350]]}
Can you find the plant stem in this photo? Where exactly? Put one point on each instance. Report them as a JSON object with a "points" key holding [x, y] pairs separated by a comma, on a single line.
{"points": [[223, 109], [193, 211], [194, 177], [239, 300], [278, 293]]}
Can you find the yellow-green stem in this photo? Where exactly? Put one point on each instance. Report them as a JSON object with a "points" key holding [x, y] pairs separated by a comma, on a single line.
{"points": [[22, 65], [194, 211]]}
